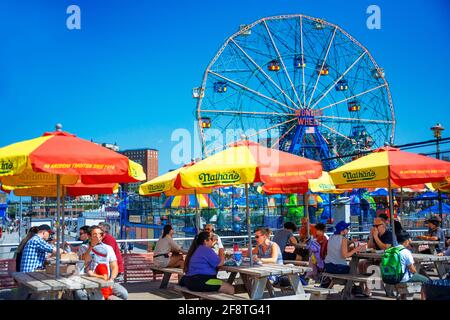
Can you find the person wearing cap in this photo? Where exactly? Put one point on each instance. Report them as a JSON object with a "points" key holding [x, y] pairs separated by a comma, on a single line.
{"points": [[434, 233], [36, 250], [407, 260], [338, 250]]}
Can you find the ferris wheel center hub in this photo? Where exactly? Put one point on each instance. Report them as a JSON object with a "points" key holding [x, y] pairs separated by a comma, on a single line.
{"points": [[307, 117]]}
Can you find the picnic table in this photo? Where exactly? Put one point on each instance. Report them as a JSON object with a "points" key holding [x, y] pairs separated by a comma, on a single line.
{"points": [[255, 278], [46, 286], [416, 244], [441, 262]]}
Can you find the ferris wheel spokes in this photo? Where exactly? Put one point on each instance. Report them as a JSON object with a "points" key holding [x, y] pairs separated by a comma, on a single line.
{"points": [[323, 63], [250, 90], [336, 132], [284, 135], [249, 113], [282, 62], [354, 119], [263, 72], [339, 79], [352, 97], [303, 57]]}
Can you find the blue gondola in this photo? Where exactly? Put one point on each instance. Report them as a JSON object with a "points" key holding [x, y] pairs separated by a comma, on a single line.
{"points": [[342, 85], [220, 87], [299, 62]]}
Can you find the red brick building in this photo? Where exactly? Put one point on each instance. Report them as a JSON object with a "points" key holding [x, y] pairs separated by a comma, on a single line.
{"points": [[148, 158]]}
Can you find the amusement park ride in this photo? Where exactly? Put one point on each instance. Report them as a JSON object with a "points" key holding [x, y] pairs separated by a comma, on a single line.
{"points": [[300, 84]]}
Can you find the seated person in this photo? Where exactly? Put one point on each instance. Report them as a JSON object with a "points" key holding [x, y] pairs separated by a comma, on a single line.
{"points": [[434, 233], [101, 268], [218, 246], [266, 251], [201, 267], [322, 239], [285, 237], [338, 250], [303, 236], [318, 252], [397, 225], [407, 260], [167, 253], [380, 238]]}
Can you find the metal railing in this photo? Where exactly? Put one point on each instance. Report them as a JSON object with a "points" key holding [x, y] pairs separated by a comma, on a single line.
{"points": [[226, 240]]}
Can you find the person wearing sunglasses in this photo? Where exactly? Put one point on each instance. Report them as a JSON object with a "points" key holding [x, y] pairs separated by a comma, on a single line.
{"points": [[266, 251], [201, 266], [379, 238]]}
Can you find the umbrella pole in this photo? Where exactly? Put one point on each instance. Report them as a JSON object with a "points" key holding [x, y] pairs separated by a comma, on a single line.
{"points": [[58, 227], [391, 210], [249, 232], [306, 209], [197, 215], [62, 217]]}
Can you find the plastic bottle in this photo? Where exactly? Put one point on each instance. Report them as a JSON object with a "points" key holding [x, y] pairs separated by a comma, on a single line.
{"points": [[235, 247]]}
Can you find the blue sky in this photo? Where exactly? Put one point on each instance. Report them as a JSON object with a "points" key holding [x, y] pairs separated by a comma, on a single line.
{"points": [[127, 75]]}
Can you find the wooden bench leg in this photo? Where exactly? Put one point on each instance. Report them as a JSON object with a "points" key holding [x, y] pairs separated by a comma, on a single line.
{"points": [[165, 280]]}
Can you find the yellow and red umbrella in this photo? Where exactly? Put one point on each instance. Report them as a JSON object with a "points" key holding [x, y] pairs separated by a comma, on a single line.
{"points": [[190, 201], [38, 161], [60, 158], [392, 168], [246, 162], [166, 184]]}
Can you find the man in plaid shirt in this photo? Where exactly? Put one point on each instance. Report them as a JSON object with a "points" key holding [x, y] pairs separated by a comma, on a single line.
{"points": [[36, 249]]}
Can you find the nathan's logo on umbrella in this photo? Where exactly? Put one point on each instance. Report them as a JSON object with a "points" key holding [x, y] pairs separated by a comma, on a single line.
{"points": [[222, 177], [362, 175], [156, 187], [6, 166]]}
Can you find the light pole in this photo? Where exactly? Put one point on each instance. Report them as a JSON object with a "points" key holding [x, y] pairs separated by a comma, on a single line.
{"points": [[437, 131]]}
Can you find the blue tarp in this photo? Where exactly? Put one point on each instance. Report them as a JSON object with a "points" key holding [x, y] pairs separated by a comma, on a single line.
{"points": [[435, 209], [429, 196]]}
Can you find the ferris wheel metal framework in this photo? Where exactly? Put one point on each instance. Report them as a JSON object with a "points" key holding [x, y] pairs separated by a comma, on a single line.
{"points": [[304, 77]]}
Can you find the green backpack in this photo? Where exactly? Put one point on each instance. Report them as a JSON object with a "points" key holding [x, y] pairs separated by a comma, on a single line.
{"points": [[391, 266]]}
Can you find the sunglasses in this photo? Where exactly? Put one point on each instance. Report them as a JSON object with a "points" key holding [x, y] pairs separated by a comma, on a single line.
{"points": [[208, 229], [377, 225], [257, 237]]}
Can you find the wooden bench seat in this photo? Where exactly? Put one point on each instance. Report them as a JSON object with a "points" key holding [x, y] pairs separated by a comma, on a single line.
{"points": [[350, 277], [297, 263], [167, 273], [348, 280], [406, 290], [215, 295], [318, 293]]}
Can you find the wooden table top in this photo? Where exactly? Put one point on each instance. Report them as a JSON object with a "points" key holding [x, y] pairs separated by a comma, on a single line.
{"points": [[265, 270], [417, 256], [424, 242], [41, 281]]}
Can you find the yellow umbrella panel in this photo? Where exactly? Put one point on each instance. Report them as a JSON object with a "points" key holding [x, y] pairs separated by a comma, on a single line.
{"points": [[165, 184]]}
